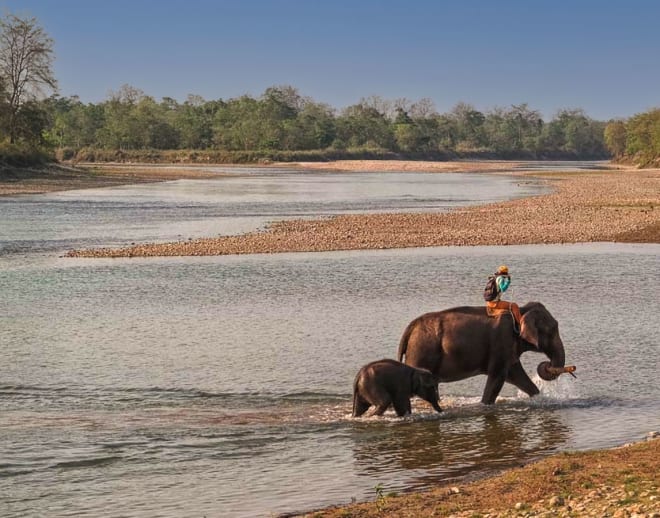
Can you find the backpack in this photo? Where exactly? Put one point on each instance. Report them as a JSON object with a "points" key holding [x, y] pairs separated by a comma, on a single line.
{"points": [[490, 291]]}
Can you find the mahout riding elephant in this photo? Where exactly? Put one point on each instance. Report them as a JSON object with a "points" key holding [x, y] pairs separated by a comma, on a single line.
{"points": [[461, 342], [387, 382]]}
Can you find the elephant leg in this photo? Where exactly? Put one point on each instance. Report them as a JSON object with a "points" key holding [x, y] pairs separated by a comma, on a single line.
{"points": [[493, 387], [435, 405], [381, 399], [360, 406], [402, 405], [518, 377], [380, 408]]}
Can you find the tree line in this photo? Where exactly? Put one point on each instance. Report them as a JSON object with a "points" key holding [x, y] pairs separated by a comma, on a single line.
{"points": [[279, 124], [636, 140], [282, 120]]}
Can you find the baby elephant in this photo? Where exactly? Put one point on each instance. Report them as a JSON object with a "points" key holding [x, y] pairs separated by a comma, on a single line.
{"points": [[387, 382]]}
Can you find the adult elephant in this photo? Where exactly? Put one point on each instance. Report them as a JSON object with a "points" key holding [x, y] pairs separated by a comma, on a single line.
{"points": [[458, 343]]}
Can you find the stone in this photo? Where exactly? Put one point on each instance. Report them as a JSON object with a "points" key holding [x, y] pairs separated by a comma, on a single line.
{"points": [[556, 501]]}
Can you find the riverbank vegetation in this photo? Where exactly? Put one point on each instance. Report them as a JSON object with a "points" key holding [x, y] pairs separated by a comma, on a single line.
{"points": [[636, 140], [279, 125], [26, 57], [283, 125]]}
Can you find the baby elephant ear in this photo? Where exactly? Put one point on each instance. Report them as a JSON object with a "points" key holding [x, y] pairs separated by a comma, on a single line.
{"points": [[429, 379], [420, 379], [415, 381], [426, 379], [528, 329]]}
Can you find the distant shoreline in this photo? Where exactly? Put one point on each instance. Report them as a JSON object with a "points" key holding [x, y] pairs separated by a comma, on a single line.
{"points": [[60, 177], [620, 205]]}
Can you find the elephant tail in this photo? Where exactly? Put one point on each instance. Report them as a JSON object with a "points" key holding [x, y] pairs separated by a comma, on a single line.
{"points": [[403, 343], [355, 395]]}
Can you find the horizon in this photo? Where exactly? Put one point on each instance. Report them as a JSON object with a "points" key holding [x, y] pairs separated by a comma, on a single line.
{"points": [[590, 56]]}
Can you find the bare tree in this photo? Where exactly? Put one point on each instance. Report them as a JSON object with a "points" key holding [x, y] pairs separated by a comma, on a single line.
{"points": [[423, 109], [26, 64]]}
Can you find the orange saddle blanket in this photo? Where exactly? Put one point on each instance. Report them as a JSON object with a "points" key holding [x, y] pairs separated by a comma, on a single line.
{"points": [[501, 307]]}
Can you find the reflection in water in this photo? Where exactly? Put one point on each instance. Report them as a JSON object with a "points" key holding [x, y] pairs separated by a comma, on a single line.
{"points": [[451, 447]]}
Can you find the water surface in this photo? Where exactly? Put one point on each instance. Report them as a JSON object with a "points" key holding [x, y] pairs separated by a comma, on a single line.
{"points": [[245, 200], [221, 386]]}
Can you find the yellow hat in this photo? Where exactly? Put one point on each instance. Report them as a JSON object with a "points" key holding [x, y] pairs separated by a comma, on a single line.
{"points": [[503, 270]]}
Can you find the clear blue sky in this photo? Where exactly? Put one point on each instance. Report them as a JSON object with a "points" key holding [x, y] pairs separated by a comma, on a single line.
{"points": [[599, 55]]}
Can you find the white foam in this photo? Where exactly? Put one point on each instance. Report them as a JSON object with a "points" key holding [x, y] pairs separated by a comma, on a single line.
{"points": [[561, 390]]}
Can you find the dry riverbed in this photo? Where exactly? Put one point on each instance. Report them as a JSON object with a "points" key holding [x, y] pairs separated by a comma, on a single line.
{"points": [[609, 205]]}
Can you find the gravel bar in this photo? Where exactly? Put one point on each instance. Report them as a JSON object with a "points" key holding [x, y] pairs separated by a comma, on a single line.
{"points": [[588, 206]]}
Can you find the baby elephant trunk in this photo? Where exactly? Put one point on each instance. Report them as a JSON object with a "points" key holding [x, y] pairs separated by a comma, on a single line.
{"points": [[431, 395], [425, 386]]}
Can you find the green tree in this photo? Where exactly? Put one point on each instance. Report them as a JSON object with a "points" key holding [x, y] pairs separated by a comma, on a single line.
{"points": [[582, 138], [152, 127], [122, 129], [415, 134], [193, 120], [237, 125], [72, 123], [31, 123], [513, 130], [363, 125], [552, 138], [278, 108], [313, 128], [572, 132], [615, 137], [643, 137], [26, 69], [60, 109], [447, 132], [469, 126]]}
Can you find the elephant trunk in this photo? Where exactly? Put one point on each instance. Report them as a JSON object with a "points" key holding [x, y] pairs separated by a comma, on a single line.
{"points": [[558, 356], [556, 366]]}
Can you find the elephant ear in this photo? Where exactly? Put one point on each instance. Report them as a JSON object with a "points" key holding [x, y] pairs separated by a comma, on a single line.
{"points": [[528, 329], [419, 379]]}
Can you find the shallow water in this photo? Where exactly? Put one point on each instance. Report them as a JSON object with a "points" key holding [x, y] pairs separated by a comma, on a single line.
{"points": [[221, 386], [245, 200]]}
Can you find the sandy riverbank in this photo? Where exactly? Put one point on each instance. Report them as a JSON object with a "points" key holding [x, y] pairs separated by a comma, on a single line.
{"points": [[606, 205], [621, 482], [55, 177]]}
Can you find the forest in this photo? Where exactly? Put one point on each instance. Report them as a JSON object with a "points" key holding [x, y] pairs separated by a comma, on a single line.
{"points": [[280, 124]]}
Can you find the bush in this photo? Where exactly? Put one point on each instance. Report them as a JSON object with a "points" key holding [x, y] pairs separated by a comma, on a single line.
{"points": [[21, 155], [214, 156]]}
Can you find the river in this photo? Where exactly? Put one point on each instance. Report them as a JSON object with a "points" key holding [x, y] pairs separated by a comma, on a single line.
{"points": [[221, 386]]}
